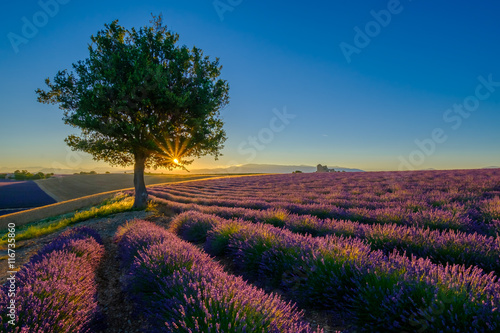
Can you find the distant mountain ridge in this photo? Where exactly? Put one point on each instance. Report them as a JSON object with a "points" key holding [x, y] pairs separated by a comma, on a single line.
{"points": [[245, 168], [267, 168]]}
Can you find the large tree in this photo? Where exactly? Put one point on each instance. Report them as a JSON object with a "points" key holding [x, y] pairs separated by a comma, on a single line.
{"points": [[141, 99]]}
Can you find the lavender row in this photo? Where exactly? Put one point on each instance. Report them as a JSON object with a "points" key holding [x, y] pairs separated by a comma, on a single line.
{"points": [[384, 293], [434, 219], [453, 185], [456, 216], [181, 289], [56, 290], [344, 200], [423, 188], [452, 197], [446, 246]]}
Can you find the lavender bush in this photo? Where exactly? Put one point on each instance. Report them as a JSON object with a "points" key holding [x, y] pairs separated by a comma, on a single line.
{"points": [[447, 246], [335, 271], [434, 199], [57, 289], [183, 290], [136, 236]]}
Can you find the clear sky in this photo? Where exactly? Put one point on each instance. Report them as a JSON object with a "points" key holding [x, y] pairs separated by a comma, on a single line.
{"points": [[376, 85]]}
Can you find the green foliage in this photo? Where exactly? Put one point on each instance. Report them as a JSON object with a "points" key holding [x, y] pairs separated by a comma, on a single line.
{"points": [[26, 175], [192, 232], [85, 173], [140, 97], [276, 217], [218, 238], [491, 209]]}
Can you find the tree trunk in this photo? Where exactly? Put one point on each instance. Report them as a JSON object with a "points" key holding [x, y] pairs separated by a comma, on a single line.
{"points": [[141, 194]]}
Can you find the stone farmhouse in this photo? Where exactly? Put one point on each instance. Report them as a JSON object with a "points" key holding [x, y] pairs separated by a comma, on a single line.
{"points": [[323, 168]]}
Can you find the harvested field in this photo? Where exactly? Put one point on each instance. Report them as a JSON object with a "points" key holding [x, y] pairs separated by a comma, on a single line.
{"points": [[76, 186]]}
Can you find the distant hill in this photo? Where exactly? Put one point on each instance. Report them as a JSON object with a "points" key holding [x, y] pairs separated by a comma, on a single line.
{"points": [[245, 168], [267, 168]]}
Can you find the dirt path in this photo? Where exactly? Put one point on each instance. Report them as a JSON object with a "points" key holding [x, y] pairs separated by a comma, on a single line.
{"points": [[118, 312]]}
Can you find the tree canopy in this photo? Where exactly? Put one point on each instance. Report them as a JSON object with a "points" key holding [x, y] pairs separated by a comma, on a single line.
{"points": [[141, 99]]}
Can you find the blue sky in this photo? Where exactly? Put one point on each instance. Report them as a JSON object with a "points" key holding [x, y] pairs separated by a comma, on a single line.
{"points": [[409, 69]]}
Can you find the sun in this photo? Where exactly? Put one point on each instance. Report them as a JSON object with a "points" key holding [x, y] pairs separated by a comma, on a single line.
{"points": [[176, 161]]}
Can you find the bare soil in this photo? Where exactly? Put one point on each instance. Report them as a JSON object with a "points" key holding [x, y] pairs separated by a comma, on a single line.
{"points": [[119, 314], [77, 186]]}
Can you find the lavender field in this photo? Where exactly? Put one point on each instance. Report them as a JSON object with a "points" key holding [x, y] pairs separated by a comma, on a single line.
{"points": [[248, 166], [402, 252], [394, 252]]}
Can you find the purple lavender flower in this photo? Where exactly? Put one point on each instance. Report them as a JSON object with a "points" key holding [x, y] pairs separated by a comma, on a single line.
{"points": [[182, 289], [56, 291]]}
